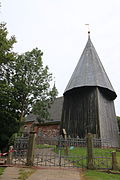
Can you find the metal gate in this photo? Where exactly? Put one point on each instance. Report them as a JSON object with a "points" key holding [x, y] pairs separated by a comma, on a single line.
{"points": [[102, 154], [20, 149], [57, 151], [60, 152]]}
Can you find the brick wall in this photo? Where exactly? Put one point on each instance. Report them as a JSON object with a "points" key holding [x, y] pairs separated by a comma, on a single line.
{"points": [[49, 130]]}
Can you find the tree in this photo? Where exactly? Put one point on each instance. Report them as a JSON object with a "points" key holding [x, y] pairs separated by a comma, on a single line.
{"points": [[31, 83], [24, 82], [42, 106], [8, 115], [6, 53]]}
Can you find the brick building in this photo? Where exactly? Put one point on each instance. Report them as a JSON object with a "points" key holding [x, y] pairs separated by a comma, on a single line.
{"points": [[51, 127]]}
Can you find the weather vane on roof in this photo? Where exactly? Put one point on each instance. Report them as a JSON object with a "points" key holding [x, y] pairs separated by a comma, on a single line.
{"points": [[88, 29]]}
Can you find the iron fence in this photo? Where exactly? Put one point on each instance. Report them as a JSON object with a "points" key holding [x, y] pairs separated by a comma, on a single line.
{"points": [[20, 149], [70, 152]]}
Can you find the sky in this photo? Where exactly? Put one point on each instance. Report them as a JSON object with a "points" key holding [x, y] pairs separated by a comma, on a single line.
{"points": [[57, 27]]}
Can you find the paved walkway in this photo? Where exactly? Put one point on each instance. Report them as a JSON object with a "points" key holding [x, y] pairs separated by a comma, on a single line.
{"points": [[12, 173], [55, 174]]}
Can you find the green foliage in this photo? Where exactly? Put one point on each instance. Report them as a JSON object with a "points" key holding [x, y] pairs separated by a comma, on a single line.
{"points": [[31, 82], [24, 86], [6, 45], [6, 53], [41, 106], [1, 170], [25, 173], [8, 115], [118, 159]]}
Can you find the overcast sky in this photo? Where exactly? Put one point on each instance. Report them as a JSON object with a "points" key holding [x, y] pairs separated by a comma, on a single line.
{"points": [[57, 27]]}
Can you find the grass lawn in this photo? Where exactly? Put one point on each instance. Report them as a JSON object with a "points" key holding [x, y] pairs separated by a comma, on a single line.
{"points": [[25, 173], [96, 175], [118, 159], [1, 170]]}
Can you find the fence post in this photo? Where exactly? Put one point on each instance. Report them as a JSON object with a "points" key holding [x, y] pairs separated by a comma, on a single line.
{"points": [[10, 155], [90, 151], [114, 161], [30, 151]]}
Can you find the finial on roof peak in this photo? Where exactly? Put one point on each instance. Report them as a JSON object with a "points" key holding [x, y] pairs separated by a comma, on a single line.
{"points": [[88, 30], [88, 34]]}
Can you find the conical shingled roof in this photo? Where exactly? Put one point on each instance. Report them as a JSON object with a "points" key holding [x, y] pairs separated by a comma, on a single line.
{"points": [[89, 71]]}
